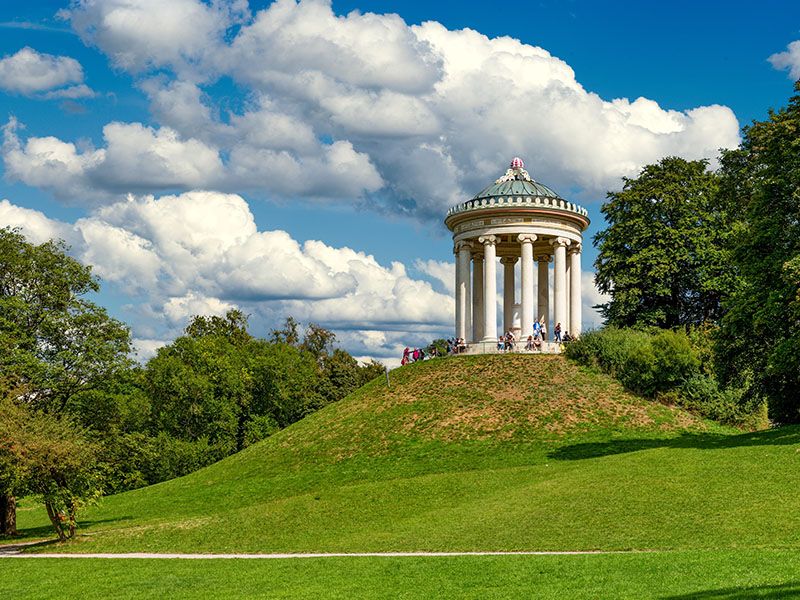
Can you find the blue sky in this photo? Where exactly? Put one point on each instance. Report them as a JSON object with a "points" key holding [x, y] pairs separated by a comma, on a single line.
{"points": [[308, 122]]}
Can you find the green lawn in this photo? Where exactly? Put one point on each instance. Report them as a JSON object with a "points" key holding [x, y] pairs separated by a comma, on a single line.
{"points": [[453, 457], [726, 575]]}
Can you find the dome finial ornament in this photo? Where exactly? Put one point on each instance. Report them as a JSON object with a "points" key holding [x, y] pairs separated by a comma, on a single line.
{"points": [[516, 172]]}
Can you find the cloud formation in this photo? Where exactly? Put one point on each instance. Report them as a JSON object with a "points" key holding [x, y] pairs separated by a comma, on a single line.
{"points": [[360, 108], [29, 72], [789, 59], [202, 253]]}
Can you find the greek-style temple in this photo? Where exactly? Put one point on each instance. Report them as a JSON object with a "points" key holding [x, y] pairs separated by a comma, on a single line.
{"points": [[517, 219]]}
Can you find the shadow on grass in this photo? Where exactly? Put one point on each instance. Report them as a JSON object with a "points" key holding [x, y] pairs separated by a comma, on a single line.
{"points": [[780, 436], [785, 590], [43, 531], [23, 546]]}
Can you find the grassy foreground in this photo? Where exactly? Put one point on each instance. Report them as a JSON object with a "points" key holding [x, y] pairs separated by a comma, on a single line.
{"points": [[459, 454], [727, 575]]}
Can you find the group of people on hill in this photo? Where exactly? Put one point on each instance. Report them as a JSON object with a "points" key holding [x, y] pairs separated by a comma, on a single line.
{"points": [[456, 345], [414, 355], [453, 346], [507, 342]]}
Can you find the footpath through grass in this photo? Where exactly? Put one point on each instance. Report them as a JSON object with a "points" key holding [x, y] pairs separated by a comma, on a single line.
{"points": [[698, 575]]}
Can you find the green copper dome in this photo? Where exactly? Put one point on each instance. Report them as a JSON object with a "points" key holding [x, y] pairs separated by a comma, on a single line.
{"points": [[516, 182], [516, 188]]}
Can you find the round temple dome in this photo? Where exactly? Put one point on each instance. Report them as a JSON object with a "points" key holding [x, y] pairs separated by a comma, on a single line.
{"points": [[516, 182]]}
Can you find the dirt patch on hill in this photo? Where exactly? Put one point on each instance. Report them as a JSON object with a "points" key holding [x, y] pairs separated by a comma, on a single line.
{"points": [[507, 397], [503, 397]]}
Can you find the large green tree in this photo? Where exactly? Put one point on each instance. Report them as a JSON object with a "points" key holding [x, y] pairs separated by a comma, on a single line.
{"points": [[759, 340], [54, 342], [664, 256]]}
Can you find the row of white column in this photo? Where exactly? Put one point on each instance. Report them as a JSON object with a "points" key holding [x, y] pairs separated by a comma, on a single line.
{"points": [[476, 300]]}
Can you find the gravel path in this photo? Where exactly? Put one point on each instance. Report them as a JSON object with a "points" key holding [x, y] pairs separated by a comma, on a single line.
{"points": [[17, 552]]}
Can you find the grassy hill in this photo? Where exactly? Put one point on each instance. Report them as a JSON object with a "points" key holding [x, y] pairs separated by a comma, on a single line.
{"points": [[473, 453]]}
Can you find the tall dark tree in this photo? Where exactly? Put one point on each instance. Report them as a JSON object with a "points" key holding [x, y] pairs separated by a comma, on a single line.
{"points": [[54, 342], [759, 341], [664, 257]]}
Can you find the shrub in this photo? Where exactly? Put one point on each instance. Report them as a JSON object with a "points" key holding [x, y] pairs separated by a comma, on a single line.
{"points": [[646, 363], [667, 365], [635, 364], [703, 395], [675, 360]]}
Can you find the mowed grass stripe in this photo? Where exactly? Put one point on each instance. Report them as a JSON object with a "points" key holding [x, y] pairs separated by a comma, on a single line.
{"points": [[718, 575]]}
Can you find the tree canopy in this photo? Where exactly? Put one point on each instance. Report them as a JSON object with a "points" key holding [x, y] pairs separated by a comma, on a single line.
{"points": [[56, 343], [664, 257], [49, 457], [759, 341]]}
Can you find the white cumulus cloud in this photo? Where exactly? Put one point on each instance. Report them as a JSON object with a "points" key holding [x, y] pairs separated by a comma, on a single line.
{"points": [[363, 108], [29, 72], [788, 59], [135, 158], [202, 253]]}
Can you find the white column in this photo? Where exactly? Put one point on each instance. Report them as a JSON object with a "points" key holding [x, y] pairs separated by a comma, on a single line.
{"points": [[459, 313], [543, 300], [560, 282], [509, 289], [575, 315], [526, 275], [568, 279], [477, 296], [489, 287], [462, 288]]}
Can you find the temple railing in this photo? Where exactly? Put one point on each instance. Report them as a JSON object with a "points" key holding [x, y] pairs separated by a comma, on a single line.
{"points": [[518, 348], [519, 201]]}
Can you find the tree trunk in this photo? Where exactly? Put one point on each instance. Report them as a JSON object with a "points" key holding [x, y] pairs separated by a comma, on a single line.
{"points": [[8, 514], [55, 519], [73, 511]]}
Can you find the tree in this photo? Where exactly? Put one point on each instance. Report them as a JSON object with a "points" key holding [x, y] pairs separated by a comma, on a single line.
{"points": [[319, 342], [55, 343], [200, 389], [288, 335], [50, 457], [664, 257], [233, 327], [286, 383], [342, 375], [759, 341]]}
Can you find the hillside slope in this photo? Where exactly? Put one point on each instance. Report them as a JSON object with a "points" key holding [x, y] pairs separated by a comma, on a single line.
{"points": [[467, 453]]}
